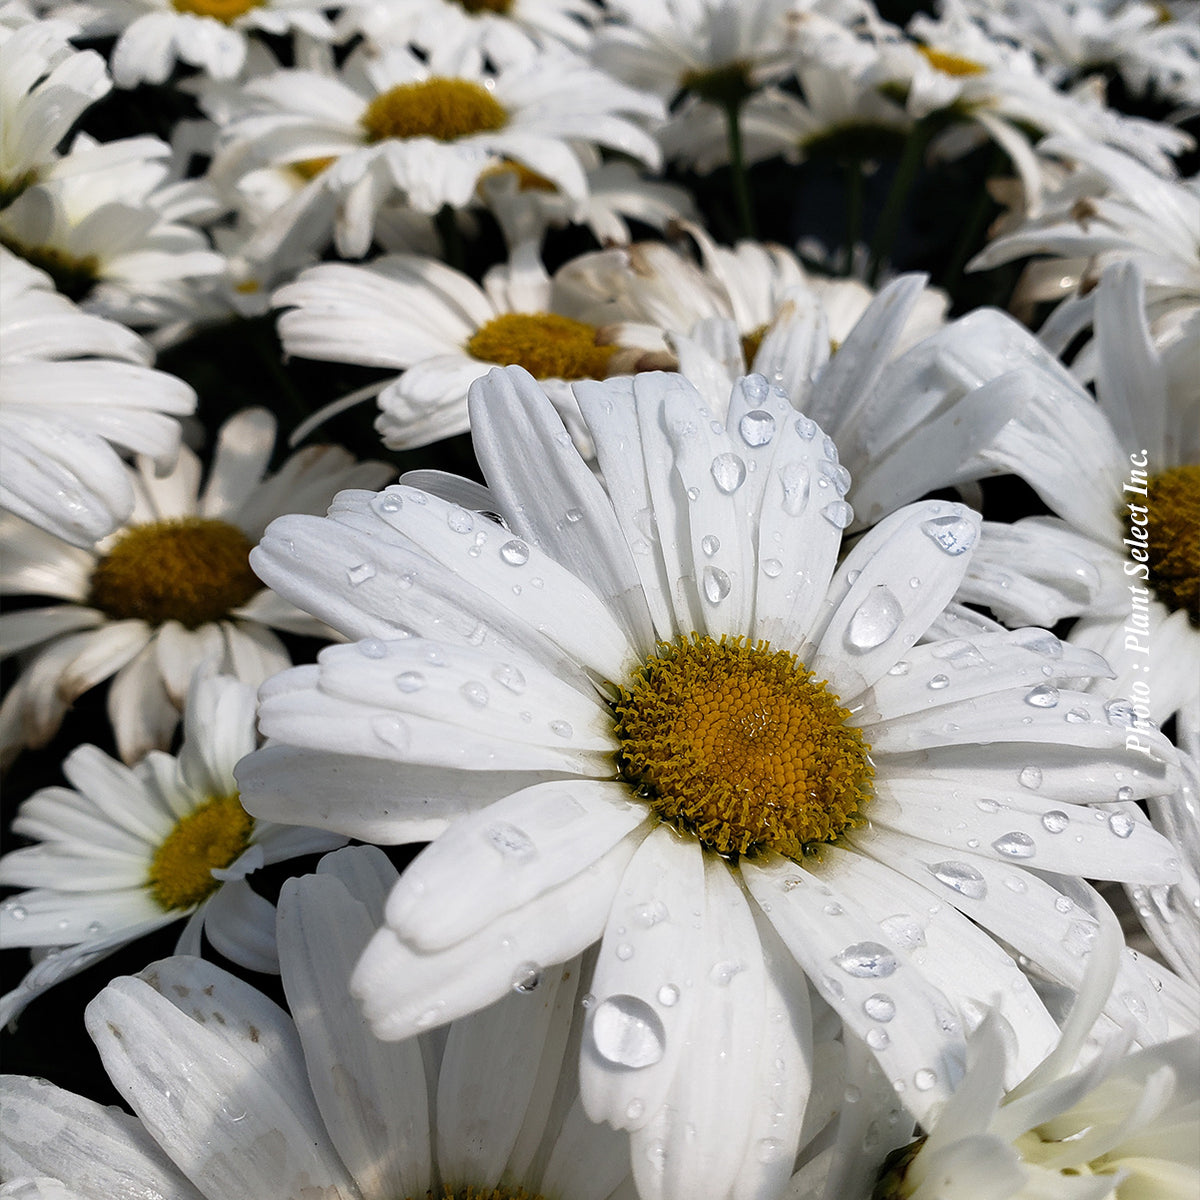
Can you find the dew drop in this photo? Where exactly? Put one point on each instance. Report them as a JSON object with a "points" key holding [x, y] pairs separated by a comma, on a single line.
{"points": [[360, 573], [392, 731], [651, 914], [372, 648], [1055, 820], [1078, 716], [721, 973], [836, 474], [988, 806], [410, 681], [955, 534], [1063, 904], [573, 515], [16, 912], [474, 693], [668, 995], [960, 877], [772, 568], [768, 1150], [626, 1031], [1136, 1005], [1015, 883], [515, 553], [905, 930], [939, 681], [728, 472], [878, 1039], [460, 520], [507, 676], [624, 951], [901, 668], [435, 656], [390, 504], [693, 494], [94, 928], [510, 841], [805, 428], [875, 619], [757, 427], [1042, 696], [794, 479], [1121, 824], [755, 388], [717, 585], [879, 1007], [1079, 937], [867, 960], [1030, 777], [839, 514], [1015, 845], [562, 729], [634, 1109], [710, 544], [526, 978], [924, 1079]]}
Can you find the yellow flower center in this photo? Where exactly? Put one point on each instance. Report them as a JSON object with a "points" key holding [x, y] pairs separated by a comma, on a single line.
{"points": [[212, 835], [727, 85], [527, 180], [445, 109], [310, 168], [225, 11], [739, 745], [1173, 506], [951, 64], [12, 186], [546, 345], [190, 569], [72, 276], [481, 6]]}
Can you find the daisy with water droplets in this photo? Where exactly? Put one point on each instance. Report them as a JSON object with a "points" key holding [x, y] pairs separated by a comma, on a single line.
{"points": [[169, 590], [126, 851], [73, 389], [389, 125], [656, 713], [216, 1072]]}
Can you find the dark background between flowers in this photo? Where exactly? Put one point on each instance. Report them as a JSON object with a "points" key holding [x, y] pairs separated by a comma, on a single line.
{"points": [[236, 364]]}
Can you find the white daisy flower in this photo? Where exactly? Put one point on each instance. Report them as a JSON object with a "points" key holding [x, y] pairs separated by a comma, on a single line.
{"points": [[213, 35], [390, 125], [490, 1110], [443, 331], [127, 851], [166, 592], [1108, 209], [115, 232], [73, 389], [45, 84], [1123, 478], [656, 713]]}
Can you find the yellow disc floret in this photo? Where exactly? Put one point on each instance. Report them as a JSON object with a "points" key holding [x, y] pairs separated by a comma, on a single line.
{"points": [[739, 745], [190, 569], [487, 6], [225, 11], [212, 835], [1174, 539], [951, 64], [470, 1192], [73, 275], [546, 345], [445, 109]]}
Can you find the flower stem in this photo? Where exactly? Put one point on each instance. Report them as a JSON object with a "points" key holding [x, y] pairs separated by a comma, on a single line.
{"points": [[737, 165], [893, 207]]}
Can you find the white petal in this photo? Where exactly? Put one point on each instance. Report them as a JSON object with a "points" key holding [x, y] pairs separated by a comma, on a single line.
{"points": [[241, 925]]}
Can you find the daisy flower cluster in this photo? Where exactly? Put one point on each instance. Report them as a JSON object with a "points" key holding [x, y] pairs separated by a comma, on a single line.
{"points": [[602, 599]]}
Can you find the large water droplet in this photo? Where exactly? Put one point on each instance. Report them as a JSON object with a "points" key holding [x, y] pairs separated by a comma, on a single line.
{"points": [[772, 568], [961, 877], [390, 503], [460, 520], [1042, 696], [729, 472], [1121, 824], [754, 387], [879, 1007], [839, 514], [937, 682], [905, 930], [924, 1079], [668, 995], [510, 841], [710, 544], [410, 681], [651, 913], [1078, 716], [717, 585], [474, 693], [360, 573], [1121, 713], [837, 475], [794, 479], [562, 729], [878, 1039], [958, 652], [1015, 845], [507, 676], [757, 427], [526, 978], [515, 553], [955, 534], [372, 648], [1030, 777], [867, 960], [627, 1032], [1055, 820], [805, 428], [875, 619]]}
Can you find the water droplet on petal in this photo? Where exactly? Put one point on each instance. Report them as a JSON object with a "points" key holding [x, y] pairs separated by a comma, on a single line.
{"points": [[1121, 824], [460, 520], [624, 951], [1055, 820], [634, 1109], [1079, 937], [1063, 904], [875, 619], [693, 494], [390, 504], [710, 544], [805, 428], [717, 585], [988, 806], [562, 729], [573, 515], [649, 915], [627, 1032], [1124, 793], [924, 1079], [510, 841], [1078, 716], [879, 1007], [1121, 713], [901, 668], [905, 930], [668, 995], [878, 1039], [1030, 777], [757, 427], [1042, 696], [410, 681], [507, 676], [1015, 845], [768, 1150], [526, 978], [372, 648], [961, 877], [391, 730], [360, 573], [721, 973], [938, 682], [515, 553], [955, 534], [728, 472], [772, 568], [839, 514], [867, 960], [794, 479], [474, 693]]}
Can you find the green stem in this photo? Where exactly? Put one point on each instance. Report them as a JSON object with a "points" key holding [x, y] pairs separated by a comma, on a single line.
{"points": [[451, 236], [854, 210], [893, 206], [737, 165]]}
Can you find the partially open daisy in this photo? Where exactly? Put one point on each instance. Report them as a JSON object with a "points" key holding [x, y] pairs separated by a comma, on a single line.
{"points": [[216, 1071], [127, 851], [73, 389], [656, 713], [170, 589], [390, 125]]}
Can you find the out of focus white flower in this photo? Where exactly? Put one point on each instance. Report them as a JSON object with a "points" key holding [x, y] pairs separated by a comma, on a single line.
{"points": [[75, 389]]}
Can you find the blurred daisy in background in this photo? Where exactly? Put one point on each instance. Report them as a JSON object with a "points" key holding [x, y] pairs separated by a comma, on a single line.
{"points": [[658, 714], [75, 390], [215, 1070], [127, 851], [169, 590]]}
